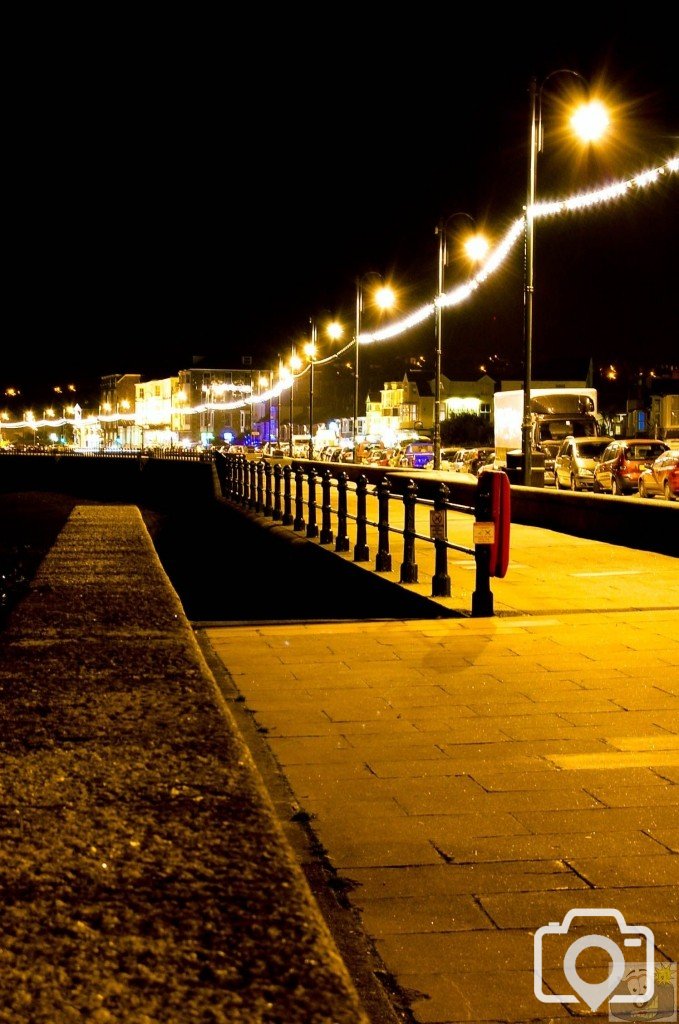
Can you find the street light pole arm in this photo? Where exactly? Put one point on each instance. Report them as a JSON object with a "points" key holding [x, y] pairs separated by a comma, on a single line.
{"points": [[359, 312], [535, 144], [442, 232]]}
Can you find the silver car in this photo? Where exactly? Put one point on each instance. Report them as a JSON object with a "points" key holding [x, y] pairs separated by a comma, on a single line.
{"points": [[575, 462]]}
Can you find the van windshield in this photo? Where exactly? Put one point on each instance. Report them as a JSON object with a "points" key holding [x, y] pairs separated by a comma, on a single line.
{"points": [[591, 449]]}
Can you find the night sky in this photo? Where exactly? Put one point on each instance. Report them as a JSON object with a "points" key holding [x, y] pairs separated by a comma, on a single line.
{"points": [[179, 191]]}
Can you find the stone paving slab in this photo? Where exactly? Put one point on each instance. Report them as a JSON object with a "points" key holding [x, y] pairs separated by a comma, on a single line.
{"points": [[144, 874], [525, 765]]}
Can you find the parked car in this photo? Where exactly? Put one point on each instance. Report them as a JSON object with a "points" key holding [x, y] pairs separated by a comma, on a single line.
{"points": [[621, 462], [418, 455], [662, 477], [473, 460], [448, 457], [670, 435], [575, 462]]}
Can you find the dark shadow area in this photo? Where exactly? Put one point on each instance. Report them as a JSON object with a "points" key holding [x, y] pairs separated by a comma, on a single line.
{"points": [[226, 565]]}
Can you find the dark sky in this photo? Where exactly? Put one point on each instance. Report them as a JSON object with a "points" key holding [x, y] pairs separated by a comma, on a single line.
{"points": [[185, 189]]}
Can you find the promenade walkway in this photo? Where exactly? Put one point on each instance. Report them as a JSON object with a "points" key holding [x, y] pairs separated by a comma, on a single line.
{"points": [[144, 875], [469, 780]]}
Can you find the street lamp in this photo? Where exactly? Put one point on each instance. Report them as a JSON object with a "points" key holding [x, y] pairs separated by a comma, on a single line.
{"points": [[589, 122], [384, 298], [295, 364], [476, 248], [333, 330], [310, 351]]}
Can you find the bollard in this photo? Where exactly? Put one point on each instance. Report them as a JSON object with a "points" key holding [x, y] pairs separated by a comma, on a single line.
{"points": [[268, 506], [312, 528], [440, 584], [326, 529], [408, 565], [342, 539], [287, 496], [277, 514], [299, 523], [383, 559], [482, 598], [361, 550]]}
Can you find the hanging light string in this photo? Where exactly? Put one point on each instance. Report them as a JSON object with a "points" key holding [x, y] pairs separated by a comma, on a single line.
{"points": [[457, 295]]}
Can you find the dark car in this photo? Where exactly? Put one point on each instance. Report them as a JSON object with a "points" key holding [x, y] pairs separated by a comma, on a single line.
{"points": [[662, 477], [622, 462]]}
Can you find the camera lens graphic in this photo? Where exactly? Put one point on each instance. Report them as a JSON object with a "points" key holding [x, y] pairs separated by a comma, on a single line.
{"points": [[594, 994]]}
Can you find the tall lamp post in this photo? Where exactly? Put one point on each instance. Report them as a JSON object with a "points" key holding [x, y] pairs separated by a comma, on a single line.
{"points": [[476, 248], [384, 297], [310, 351], [295, 363], [589, 122]]}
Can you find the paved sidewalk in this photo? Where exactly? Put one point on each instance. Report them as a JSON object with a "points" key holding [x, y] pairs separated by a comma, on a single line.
{"points": [[472, 779], [144, 874]]}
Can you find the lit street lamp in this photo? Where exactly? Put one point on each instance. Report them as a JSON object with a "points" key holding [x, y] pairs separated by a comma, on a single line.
{"points": [[476, 248], [589, 122], [310, 351], [384, 298], [333, 330], [295, 363]]}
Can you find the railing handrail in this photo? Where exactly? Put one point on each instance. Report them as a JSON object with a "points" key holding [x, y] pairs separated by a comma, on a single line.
{"points": [[235, 489]]}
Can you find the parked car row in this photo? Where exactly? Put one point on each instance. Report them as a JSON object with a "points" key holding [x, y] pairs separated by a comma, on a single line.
{"points": [[618, 466]]}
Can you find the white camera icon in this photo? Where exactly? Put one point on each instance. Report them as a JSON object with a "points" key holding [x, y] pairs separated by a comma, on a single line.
{"points": [[594, 995]]}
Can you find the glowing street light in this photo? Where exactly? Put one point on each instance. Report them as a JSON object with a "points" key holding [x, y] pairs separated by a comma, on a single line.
{"points": [[295, 364], [476, 248], [384, 298], [333, 330], [589, 121], [310, 352]]}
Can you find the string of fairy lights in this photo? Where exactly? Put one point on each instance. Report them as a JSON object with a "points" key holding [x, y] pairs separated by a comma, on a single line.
{"points": [[457, 295]]}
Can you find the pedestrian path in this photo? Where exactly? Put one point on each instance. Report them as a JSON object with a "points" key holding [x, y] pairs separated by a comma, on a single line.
{"points": [[471, 780]]}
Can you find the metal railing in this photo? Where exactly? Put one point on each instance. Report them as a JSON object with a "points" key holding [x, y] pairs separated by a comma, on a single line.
{"points": [[289, 494]]}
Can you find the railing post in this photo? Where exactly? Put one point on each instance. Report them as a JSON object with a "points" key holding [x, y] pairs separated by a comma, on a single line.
{"points": [[233, 491], [244, 480], [440, 583], [342, 539], [409, 565], [299, 523], [312, 528], [252, 469], [259, 505], [326, 528], [277, 514], [361, 549], [226, 474], [383, 559], [268, 506], [287, 496]]}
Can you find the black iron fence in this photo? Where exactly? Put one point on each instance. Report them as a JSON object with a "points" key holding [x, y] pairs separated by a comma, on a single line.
{"points": [[326, 505]]}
